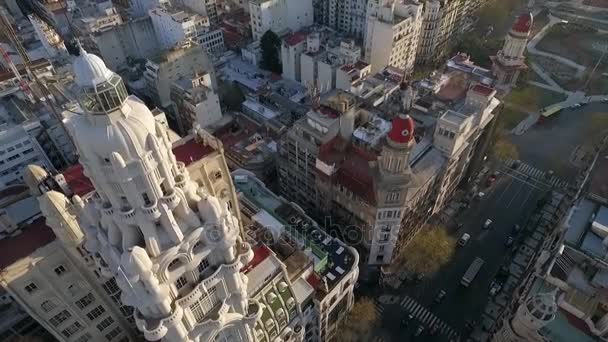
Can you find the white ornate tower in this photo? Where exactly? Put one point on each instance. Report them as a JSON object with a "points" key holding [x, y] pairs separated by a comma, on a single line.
{"points": [[538, 311], [175, 251], [509, 61]]}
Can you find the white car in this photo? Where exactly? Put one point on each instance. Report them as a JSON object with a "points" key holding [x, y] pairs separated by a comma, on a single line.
{"points": [[495, 287], [487, 224]]}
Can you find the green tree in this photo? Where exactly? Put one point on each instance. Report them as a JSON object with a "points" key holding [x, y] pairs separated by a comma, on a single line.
{"points": [[271, 45], [231, 95], [357, 326], [503, 149], [427, 252]]}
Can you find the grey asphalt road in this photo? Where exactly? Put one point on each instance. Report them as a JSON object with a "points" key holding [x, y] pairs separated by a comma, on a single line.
{"points": [[510, 201], [548, 145]]}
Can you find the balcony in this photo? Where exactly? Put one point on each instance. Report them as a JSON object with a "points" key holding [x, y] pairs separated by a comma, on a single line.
{"points": [[151, 211], [171, 199], [127, 214]]}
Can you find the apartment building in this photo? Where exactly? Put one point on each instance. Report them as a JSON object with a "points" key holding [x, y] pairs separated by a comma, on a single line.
{"points": [[321, 270], [392, 34], [17, 150], [379, 174], [170, 66], [279, 16], [195, 102], [347, 16], [51, 41], [439, 26], [50, 273], [320, 63], [178, 27]]}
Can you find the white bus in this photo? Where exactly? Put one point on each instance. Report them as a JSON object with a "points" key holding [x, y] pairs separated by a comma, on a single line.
{"points": [[472, 272]]}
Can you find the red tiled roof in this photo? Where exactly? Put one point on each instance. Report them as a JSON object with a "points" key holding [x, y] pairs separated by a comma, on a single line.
{"points": [[347, 68], [577, 322], [483, 90], [314, 280], [33, 236], [355, 175], [361, 65], [329, 112], [191, 151], [260, 253], [77, 181], [523, 24], [186, 153], [295, 38]]}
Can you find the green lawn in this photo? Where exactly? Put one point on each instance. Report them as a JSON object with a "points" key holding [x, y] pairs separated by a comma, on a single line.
{"points": [[533, 98], [509, 118]]}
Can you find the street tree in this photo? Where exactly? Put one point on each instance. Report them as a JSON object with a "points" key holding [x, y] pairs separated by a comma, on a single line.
{"points": [[503, 149], [427, 252], [271, 45], [358, 325], [231, 95]]}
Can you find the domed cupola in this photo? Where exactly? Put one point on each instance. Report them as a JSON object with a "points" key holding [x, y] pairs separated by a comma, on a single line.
{"points": [[101, 91], [402, 131]]}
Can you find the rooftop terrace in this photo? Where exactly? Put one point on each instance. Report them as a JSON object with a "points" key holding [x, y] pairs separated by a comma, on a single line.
{"points": [[332, 259]]}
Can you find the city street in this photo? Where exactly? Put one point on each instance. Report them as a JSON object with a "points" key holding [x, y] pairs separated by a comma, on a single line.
{"points": [[508, 202]]}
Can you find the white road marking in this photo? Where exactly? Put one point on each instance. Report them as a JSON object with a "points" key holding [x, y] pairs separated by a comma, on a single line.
{"points": [[426, 317]]}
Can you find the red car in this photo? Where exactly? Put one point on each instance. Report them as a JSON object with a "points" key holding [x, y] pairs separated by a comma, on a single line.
{"points": [[491, 180]]}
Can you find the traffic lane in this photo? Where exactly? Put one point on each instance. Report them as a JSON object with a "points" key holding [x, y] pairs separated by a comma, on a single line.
{"points": [[491, 248], [472, 221], [509, 202]]}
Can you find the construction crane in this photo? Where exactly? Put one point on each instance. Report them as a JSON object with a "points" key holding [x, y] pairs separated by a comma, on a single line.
{"points": [[22, 83], [7, 30]]}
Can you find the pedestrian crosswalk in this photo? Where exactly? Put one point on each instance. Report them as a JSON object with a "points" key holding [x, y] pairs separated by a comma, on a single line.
{"points": [[378, 307], [427, 318], [528, 170], [379, 339]]}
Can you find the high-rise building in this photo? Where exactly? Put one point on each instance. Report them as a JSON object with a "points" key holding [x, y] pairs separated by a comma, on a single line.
{"points": [[50, 274], [173, 246], [51, 41], [438, 28], [347, 16], [510, 60], [195, 102], [17, 150], [178, 27], [392, 34], [279, 16], [379, 174]]}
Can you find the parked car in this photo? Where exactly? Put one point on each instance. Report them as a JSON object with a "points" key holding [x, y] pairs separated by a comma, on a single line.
{"points": [[495, 287], [516, 228], [605, 100], [509, 241], [440, 296], [491, 180], [419, 277], [487, 224], [464, 239], [576, 105], [419, 331]]}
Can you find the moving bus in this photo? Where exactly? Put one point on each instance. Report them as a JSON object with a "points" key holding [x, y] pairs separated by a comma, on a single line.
{"points": [[472, 272]]}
